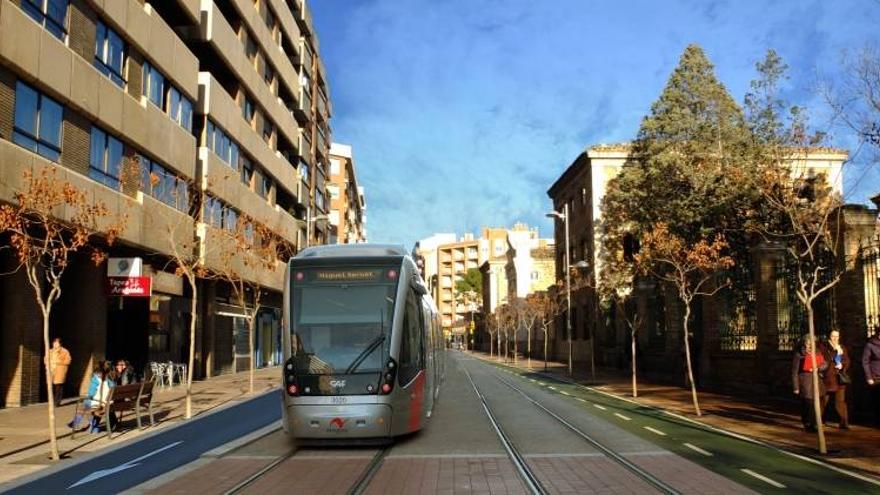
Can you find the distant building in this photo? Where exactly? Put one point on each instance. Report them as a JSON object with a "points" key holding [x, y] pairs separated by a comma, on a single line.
{"points": [[347, 206]]}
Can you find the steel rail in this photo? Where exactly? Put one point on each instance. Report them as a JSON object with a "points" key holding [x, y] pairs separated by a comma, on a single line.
{"points": [[531, 481], [623, 461]]}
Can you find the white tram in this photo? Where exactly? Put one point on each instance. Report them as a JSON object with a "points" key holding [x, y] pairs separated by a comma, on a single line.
{"points": [[363, 349]]}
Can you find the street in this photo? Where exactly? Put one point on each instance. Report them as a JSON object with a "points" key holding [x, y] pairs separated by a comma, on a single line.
{"points": [[558, 438]]}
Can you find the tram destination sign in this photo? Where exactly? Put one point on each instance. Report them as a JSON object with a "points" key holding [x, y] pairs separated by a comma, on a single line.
{"points": [[346, 275]]}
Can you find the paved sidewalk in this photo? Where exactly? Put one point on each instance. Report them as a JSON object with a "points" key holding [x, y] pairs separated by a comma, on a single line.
{"points": [[774, 421], [24, 441]]}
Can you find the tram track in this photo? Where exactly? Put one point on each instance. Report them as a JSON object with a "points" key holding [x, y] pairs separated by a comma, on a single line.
{"points": [[610, 453], [358, 487], [533, 484]]}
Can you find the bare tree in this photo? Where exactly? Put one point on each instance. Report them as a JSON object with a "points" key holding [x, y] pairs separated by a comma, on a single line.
{"points": [[548, 305], [691, 269], [248, 250], [49, 222]]}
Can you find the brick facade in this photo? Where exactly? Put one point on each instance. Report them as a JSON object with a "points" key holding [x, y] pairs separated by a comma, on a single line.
{"points": [[75, 142]]}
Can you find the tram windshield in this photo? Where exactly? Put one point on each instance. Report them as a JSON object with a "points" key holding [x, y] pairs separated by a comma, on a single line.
{"points": [[341, 319]]}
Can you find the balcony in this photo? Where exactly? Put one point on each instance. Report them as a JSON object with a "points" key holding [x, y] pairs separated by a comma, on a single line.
{"points": [[306, 58], [305, 144], [303, 110]]}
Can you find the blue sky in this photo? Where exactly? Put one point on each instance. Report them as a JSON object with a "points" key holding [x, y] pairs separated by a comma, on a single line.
{"points": [[462, 113]]}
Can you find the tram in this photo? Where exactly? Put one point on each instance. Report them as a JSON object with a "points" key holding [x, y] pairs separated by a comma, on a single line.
{"points": [[363, 349]]}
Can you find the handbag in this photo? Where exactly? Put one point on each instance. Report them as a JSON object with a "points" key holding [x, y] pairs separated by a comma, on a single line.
{"points": [[843, 378]]}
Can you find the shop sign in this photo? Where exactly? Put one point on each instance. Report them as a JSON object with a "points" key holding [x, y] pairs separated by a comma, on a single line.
{"points": [[125, 267], [130, 286]]}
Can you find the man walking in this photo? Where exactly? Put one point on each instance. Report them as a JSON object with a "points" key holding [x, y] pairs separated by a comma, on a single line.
{"points": [[59, 362], [871, 365]]}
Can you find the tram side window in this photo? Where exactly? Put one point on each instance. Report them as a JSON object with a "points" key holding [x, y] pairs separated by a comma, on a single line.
{"points": [[411, 341]]}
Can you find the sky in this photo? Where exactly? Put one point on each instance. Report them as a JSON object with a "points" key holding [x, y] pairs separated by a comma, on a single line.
{"points": [[462, 113]]}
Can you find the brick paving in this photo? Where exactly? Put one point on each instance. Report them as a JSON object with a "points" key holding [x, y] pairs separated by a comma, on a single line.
{"points": [[686, 476], [592, 473], [318, 475], [215, 477], [447, 475]]}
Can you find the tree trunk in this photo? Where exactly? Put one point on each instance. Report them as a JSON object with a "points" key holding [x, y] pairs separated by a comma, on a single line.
{"points": [[529, 349], [192, 347], [687, 355], [817, 406], [53, 437], [633, 351], [515, 345], [546, 334]]}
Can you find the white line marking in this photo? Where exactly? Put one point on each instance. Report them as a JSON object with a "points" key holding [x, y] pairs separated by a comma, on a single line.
{"points": [[621, 416], [654, 430], [763, 478], [551, 387], [697, 449], [599, 407], [563, 392], [582, 399], [122, 467], [544, 384]]}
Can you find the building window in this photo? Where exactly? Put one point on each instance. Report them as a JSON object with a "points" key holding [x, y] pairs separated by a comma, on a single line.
{"points": [[105, 158], [265, 186], [268, 74], [222, 146], [154, 85], [51, 14], [247, 109], [268, 130], [163, 185], [247, 172], [37, 122], [219, 215], [180, 109], [110, 54]]}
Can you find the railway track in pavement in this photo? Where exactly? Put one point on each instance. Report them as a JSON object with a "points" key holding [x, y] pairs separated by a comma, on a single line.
{"points": [[529, 477]]}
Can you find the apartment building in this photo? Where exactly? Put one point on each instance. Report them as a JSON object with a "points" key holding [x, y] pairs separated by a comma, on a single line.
{"points": [[221, 106], [453, 261], [347, 216]]}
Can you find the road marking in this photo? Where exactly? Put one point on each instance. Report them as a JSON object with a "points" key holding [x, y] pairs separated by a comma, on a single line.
{"points": [[582, 399], [697, 449], [563, 392], [599, 407], [122, 467], [544, 384], [654, 430], [551, 387], [621, 416], [763, 478]]}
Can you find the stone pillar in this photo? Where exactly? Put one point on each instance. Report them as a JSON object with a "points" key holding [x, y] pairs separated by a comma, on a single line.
{"points": [[21, 341], [767, 256]]}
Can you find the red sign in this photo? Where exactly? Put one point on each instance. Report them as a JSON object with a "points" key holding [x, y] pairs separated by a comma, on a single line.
{"points": [[130, 286]]}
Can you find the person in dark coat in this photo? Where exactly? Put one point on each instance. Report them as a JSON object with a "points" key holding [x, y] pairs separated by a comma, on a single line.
{"points": [[802, 380], [836, 376], [871, 365]]}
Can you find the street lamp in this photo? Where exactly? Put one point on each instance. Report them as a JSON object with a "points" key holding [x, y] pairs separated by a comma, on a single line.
{"points": [[564, 217]]}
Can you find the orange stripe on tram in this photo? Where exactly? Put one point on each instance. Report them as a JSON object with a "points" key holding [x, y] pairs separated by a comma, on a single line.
{"points": [[417, 399]]}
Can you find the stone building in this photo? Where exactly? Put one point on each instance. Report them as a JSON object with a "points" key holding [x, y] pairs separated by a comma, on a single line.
{"points": [[348, 206]]}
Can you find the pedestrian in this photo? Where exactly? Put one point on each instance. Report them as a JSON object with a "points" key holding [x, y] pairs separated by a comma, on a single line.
{"points": [[871, 365], [59, 362], [97, 396], [836, 377], [124, 373], [802, 378]]}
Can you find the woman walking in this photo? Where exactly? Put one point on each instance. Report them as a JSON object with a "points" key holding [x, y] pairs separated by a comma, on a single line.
{"points": [[836, 377], [802, 378]]}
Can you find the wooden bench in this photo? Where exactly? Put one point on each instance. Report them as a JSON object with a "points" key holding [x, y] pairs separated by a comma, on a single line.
{"points": [[122, 399]]}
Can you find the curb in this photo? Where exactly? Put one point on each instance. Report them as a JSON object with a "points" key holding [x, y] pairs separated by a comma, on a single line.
{"points": [[241, 441]]}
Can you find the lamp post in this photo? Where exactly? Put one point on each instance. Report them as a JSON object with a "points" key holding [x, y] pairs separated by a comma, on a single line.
{"points": [[564, 217]]}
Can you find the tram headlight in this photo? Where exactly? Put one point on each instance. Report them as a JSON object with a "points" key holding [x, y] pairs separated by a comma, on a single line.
{"points": [[388, 377]]}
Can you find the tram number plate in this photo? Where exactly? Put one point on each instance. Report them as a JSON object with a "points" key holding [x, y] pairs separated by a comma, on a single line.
{"points": [[338, 400]]}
